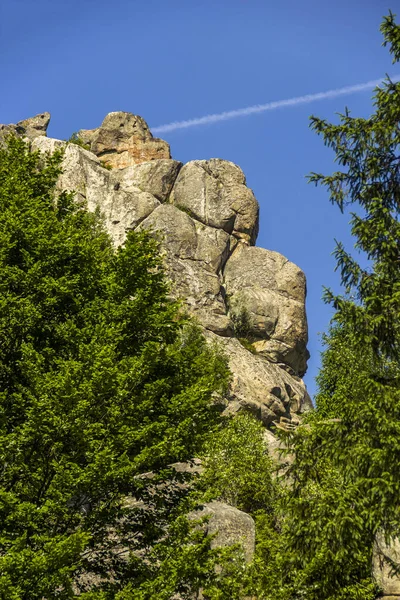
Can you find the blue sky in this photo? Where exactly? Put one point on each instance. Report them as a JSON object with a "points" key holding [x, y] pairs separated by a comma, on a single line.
{"points": [[169, 60]]}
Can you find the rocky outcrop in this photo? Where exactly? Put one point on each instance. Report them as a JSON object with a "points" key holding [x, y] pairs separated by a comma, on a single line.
{"points": [[270, 291], [214, 192], [29, 128], [123, 140], [263, 388], [251, 301], [123, 204]]}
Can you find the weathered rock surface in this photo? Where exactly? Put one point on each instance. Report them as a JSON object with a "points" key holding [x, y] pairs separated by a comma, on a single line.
{"points": [[231, 526], [30, 128], [215, 193], [123, 206], [156, 177], [206, 219], [123, 140], [381, 567], [261, 387], [195, 255], [271, 291]]}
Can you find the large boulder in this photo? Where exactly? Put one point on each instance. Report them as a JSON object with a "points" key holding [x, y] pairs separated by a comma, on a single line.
{"points": [[266, 295], [215, 193], [230, 526], [155, 176], [124, 139]]}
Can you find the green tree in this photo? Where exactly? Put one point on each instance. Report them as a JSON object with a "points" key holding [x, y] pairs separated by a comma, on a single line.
{"points": [[237, 467], [346, 474], [102, 380], [239, 471]]}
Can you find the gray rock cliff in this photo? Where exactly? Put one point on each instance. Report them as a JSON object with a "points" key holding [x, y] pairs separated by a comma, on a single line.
{"points": [[249, 300]]}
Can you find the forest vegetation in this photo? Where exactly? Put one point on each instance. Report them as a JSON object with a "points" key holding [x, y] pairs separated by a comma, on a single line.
{"points": [[105, 383]]}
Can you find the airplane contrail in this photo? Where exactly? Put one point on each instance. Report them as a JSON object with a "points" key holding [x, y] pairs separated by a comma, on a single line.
{"points": [[258, 108]]}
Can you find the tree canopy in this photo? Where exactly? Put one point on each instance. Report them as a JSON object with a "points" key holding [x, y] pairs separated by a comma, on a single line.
{"points": [[102, 380], [105, 383]]}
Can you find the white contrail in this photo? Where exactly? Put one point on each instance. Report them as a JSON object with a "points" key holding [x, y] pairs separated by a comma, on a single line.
{"points": [[258, 108]]}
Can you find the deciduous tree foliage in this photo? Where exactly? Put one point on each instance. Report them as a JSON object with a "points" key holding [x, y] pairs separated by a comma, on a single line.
{"points": [[237, 468], [101, 381]]}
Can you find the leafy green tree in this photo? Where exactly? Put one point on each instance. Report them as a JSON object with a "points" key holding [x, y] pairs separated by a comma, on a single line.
{"points": [[102, 380], [237, 467], [239, 471], [346, 473]]}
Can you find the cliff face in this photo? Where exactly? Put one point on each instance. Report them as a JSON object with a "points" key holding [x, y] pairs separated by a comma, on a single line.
{"points": [[250, 300]]}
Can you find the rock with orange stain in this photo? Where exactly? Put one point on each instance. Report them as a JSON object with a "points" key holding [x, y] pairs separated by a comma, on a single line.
{"points": [[123, 140]]}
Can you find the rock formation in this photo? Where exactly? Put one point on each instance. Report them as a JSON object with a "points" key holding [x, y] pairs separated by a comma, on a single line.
{"points": [[251, 300], [248, 299], [123, 140], [228, 525], [30, 128]]}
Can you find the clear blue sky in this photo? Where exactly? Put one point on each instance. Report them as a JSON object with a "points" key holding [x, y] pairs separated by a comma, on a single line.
{"points": [[170, 60]]}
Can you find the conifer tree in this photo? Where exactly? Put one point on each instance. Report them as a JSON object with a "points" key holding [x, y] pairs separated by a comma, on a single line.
{"points": [[346, 475]]}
